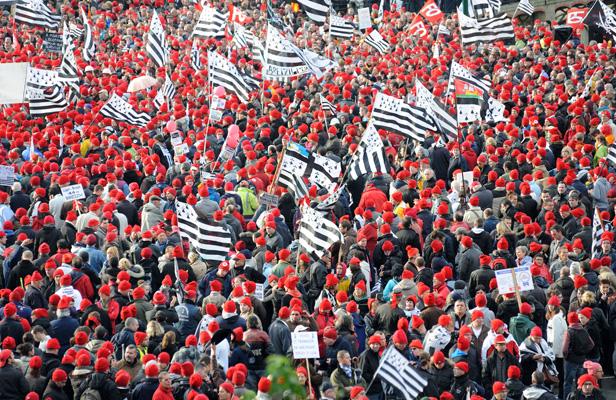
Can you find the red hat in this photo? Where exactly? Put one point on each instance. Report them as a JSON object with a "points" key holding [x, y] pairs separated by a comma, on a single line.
{"points": [[444, 320], [264, 385], [53, 344], [526, 309], [462, 365], [502, 244], [438, 357], [151, 370], [10, 309], [536, 331], [586, 311], [554, 301], [586, 378], [476, 315], [227, 387], [500, 339], [416, 322], [101, 365], [355, 391], [436, 245], [59, 375], [330, 333], [513, 372], [399, 337], [499, 387], [416, 343]]}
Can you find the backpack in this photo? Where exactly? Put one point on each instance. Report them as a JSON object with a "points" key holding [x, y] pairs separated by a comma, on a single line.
{"points": [[90, 394]]}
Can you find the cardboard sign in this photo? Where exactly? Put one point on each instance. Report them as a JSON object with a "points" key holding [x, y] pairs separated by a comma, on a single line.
{"points": [[259, 291], [269, 200], [218, 103], [176, 138], [73, 192], [52, 42], [305, 345], [504, 280], [227, 153], [7, 175], [365, 22], [181, 149], [215, 115]]}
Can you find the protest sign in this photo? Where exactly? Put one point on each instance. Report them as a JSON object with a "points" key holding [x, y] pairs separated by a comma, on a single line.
{"points": [[73, 192], [305, 345]]}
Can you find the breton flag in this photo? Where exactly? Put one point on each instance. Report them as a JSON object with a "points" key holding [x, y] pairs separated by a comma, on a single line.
{"points": [[211, 24], [602, 16], [340, 27], [369, 156], [317, 233], [117, 108], [223, 73], [89, 47], [444, 121], [394, 115], [443, 30], [375, 40], [167, 91], [598, 230], [67, 73], [611, 154], [316, 9], [469, 101], [211, 240], [275, 20], [36, 13], [326, 105], [320, 170], [195, 56], [395, 370], [458, 71], [478, 9], [526, 7], [485, 31], [243, 37], [496, 111], [74, 31], [47, 102], [281, 59], [157, 46], [328, 204]]}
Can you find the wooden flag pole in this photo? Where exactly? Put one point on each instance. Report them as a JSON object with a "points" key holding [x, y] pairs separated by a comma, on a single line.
{"points": [[516, 288]]}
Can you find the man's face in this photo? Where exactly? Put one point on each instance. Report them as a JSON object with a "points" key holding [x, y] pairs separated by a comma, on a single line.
{"points": [[295, 316], [458, 372], [344, 360], [500, 347], [587, 388], [165, 382], [375, 347], [130, 355], [460, 307]]}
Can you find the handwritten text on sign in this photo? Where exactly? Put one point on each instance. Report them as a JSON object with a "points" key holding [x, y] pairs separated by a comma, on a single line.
{"points": [[305, 345]]}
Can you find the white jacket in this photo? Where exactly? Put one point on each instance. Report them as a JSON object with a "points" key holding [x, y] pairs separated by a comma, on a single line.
{"points": [[557, 326]]}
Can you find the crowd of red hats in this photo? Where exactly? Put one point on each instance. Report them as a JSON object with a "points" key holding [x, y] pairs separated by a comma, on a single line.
{"points": [[102, 298]]}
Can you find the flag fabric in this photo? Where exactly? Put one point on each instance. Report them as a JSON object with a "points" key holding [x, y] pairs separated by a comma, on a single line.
{"points": [[603, 17], [496, 111], [418, 27], [316, 10], [319, 170], [327, 205], [488, 30], [238, 16], [195, 57], [431, 12], [496, 5], [281, 58], [326, 105], [340, 27], [36, 13], [275, 20], [38, 80], [157, 46], [212, 241], [242, 37], [526, 7], [49, 101], [119, 109], [599, 229], [445, 123], [74, 31], [458, 71], [211, 24], [575, 17], [394, 115], [369, 156], [68, 73], [395, 370], [317, 233], [222, 72], [469, 101], [611, 154], [477, 9], [89, 47], [294, 162], [375, 40], [167, 91], [442, 30]]}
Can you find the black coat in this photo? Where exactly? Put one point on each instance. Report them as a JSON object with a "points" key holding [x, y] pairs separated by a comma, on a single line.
{"points": [[54, 392], [19, 273], [169, 269], [443, 377], [144, 390], [481, 276], [13, 384], [103, 383], [11, 327], [48, 234], [368, 364], [20, 200]]}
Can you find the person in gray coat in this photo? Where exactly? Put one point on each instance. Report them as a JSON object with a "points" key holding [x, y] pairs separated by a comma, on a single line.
{"points": [[467, 259], [280, 334], [152, 214]]}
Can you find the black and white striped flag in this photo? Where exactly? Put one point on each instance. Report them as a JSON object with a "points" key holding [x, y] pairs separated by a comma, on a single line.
{"points": [[327, 205], [326, 105], [496, 5], [223, 73], [211, 24], [68, 72], [458, 71], [375, 40], [396, 371], [526, 7], [36, 13], [445, 122], [317, 233], [211, 240], [74, 31], [89, 47], [281, 58], [394, 115], [157, 45], [296, 184], [316, 9], [166, 92], [340, 27], [496, 111], [49, 101], [320, 170], [369, 156], [119, 109], [243, 38], [195, 57], [486, 31], [597, 230], [443, 30], [611, 154]]}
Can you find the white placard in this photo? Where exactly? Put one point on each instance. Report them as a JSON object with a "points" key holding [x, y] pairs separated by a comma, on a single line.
{"points": [[259, 291], [13, 82], [181, 149], [176, 138], [73, 192], [363, 14], [305, 345], [468, 177], [218, 103], [7, 175], [215, 115], [504, 280]]}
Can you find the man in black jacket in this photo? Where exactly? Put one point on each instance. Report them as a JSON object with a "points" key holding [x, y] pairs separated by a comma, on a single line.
{"points": [[145, 389], [498, 362], [55, 388], [34, 297], [101, 382], [10, 325], [369, 363], [13, 384], [316, 279]]}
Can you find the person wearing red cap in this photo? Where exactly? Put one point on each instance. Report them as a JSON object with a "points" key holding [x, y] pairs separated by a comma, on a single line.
{"points": [[55, 388], [587, 388], [577, 344], [537, 355], [499, 361], [463, 387], [521, 325], [164, 390], [144, 390], [12, 380], [440, 335]]}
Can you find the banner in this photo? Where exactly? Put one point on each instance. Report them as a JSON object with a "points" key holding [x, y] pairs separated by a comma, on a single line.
{"points": [[13, 82]]}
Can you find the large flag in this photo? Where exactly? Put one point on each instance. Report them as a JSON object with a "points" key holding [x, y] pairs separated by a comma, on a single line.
{"points": [[485, 31], [431, 12], [74, 31], [319, 170], [212, 23], [418, 27], [275, 20], [458, 71], [48, 101], [611, 154], [36, 13], [211, 240], [444, 121], [157, 46], [166, 91], [316, 9], [602, 16], [394, 115], [242, 37], [89, 47], [369, 156], [575, 17], [340, 27], [120, 110], [317, 233], [396, 371], [326, 105], [375, 40], [477, 9], [469, 101], [68, 72], [223, 73], [526, 7], [328, 204], [281, 59]]}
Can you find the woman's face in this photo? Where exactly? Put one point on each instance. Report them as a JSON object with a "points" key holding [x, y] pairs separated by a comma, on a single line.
{"points": [[301, 378]]}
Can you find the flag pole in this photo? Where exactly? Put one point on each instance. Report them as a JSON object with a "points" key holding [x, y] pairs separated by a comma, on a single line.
{"points": [[459, 139]]}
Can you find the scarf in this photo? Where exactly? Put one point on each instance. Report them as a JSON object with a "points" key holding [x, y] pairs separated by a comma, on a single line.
{"points": [[347, 370]]}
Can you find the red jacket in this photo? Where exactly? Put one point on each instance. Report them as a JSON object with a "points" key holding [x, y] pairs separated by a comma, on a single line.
{"points": [[82, 283], [375, 195], [162, 394]]}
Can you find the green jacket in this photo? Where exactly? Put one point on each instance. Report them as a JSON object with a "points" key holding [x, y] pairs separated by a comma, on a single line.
{"points": [[520, 327], [341, 381], [249, 201]]}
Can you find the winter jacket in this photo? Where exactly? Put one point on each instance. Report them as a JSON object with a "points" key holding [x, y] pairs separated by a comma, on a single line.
{"points": [[340, 380], [577, 344], [150, 217], [63, 329], [13, 384], [443, 376], [520, 327], [538, 392], [368, 364], [144, 390], [103, 384]]}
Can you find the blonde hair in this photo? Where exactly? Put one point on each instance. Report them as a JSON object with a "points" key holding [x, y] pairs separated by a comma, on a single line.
{"points": [[124, 264], [502, 228], [115, 252], [154, 328]]}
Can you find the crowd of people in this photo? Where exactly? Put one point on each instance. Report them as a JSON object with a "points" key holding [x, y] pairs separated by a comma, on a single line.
{"points": [[91, 305]]}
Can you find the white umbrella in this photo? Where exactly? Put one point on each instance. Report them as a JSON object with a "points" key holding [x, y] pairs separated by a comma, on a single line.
{"points": [[140, 83]]}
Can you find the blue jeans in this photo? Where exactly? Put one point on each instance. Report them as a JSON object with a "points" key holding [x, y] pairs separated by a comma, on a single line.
{"points": [[572, 371]]}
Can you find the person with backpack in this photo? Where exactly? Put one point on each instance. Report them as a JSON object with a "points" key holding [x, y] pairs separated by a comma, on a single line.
{"points": [[125, 337], [99, 385], [577, 343]]}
